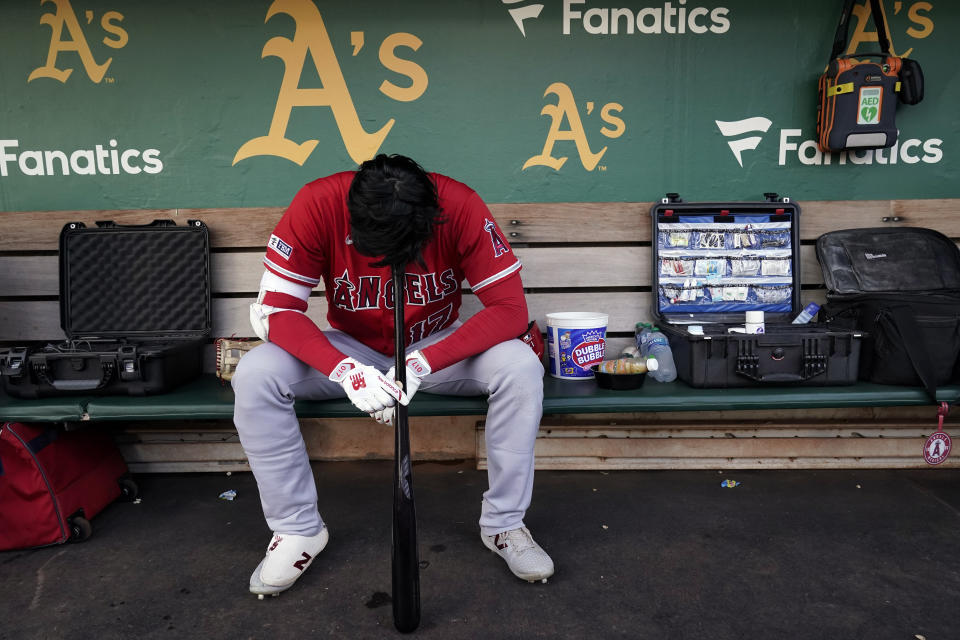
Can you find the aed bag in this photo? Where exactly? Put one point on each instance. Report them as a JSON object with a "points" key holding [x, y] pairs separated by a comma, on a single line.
{"points": [[858, 93], [858, 103]]}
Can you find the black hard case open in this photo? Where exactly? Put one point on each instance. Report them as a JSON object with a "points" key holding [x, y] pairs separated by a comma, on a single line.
{"points": [[135, 307], [712, 262]]}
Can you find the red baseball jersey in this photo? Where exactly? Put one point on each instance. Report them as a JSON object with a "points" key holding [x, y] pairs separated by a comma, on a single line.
{"points": [[311, 243]]}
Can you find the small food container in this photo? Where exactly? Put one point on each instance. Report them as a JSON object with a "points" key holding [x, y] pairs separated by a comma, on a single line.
{"points": [[626, 373]]}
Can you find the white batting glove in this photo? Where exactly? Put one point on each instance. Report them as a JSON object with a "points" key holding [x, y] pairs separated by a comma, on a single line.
{"points": [[385, 416], [417, 369], [368, 389]]}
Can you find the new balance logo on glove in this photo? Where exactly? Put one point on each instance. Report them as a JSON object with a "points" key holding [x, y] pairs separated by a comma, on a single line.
{"points": [[357, 381]]}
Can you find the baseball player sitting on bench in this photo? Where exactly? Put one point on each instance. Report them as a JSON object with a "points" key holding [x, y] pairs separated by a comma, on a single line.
{"points": [[343, 229]]}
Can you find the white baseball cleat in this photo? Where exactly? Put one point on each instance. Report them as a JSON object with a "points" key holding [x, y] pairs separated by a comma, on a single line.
{"points": [[288, 556], [526, 559]]}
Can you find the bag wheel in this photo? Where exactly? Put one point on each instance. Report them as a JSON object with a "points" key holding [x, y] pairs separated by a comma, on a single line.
{"points": [[128, 489], [80, 528]]}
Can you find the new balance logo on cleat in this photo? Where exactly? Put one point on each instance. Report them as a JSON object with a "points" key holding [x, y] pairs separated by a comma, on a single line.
{"points": [[288, 557], [524, 557], [302, 563]]}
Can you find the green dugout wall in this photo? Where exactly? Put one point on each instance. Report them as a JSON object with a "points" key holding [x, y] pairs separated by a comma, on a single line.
{"points": [[108, 104]]}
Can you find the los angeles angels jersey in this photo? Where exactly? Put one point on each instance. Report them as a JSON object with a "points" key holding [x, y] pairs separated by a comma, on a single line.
{"points": [[311, 244]]}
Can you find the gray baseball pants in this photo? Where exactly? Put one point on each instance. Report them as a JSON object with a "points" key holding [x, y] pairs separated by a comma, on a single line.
{"points": [[268, 380]]}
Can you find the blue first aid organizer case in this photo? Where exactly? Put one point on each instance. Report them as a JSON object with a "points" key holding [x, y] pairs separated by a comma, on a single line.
{"points": [[715, 261], [135, 308]]}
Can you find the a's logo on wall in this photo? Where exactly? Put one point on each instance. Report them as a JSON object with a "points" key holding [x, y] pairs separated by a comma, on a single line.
{"points": [[312, 39], [757, 124], [521, 13], [566, 110], [917, 13], [60, 64]]}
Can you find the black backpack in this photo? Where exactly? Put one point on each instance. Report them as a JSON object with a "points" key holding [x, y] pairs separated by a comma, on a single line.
{"points": [[901, 286]]}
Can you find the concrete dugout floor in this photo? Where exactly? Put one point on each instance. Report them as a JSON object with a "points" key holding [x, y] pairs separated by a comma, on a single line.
{"points": [[639, 554]]}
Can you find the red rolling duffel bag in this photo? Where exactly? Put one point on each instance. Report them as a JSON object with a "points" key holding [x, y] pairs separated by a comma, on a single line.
{"points": [[52, 482]]}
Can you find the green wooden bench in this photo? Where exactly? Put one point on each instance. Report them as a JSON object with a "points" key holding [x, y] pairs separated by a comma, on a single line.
{"points": [[607, 270], [207, 399]]}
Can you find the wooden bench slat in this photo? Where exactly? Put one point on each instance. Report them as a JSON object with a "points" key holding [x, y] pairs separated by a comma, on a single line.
{"points": [[40, 230], [543, 268], [581, 463], [29, 276], [584, 222], [40, 319], [729, 447], [610, 222]]}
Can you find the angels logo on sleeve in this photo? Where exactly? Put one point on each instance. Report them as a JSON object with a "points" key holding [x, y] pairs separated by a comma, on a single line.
{"points": [[499, 246]]}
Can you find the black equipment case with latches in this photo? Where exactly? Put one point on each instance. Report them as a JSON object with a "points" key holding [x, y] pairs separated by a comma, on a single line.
{"points": [[713, 262], [135, 307]]}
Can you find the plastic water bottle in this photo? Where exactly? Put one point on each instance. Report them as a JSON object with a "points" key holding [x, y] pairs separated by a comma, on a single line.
{"points": [[653, 344]]}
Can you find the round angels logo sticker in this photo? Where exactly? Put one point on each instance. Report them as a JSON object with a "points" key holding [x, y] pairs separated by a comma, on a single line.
{"points": [[937, 448]]}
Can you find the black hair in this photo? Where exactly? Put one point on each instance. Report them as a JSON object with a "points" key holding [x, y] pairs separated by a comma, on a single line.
{"points": [[393, 208]]}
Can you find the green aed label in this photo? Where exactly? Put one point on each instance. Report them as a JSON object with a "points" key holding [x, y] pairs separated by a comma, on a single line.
{"points": [[869, 109]]}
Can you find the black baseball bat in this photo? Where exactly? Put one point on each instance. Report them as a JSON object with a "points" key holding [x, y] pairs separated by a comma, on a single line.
{"points": [[405, 559]]}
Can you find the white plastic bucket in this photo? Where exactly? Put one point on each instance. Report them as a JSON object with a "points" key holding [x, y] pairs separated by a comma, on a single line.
{"points": [[575, 342]]}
